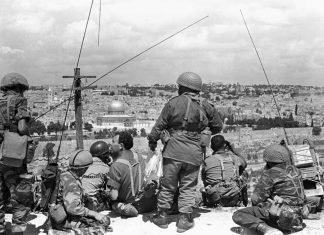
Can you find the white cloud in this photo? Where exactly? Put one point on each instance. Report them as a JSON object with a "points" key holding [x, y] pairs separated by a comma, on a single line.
{"points": [[287, 33], [4, 50]]}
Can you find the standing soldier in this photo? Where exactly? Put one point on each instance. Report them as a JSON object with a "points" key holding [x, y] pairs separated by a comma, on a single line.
{"points": [[13, 135], [184, 122], [69, 211], [95, 179], [278, 199]]}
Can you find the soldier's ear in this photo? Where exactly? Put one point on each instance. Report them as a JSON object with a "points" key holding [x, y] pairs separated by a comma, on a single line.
{"points": [[121, 146]]}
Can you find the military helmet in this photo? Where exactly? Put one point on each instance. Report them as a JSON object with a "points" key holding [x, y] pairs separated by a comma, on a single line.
{"points": [[99, 148], [12, 80], [276, 153], [190, 80], [80, 159]]}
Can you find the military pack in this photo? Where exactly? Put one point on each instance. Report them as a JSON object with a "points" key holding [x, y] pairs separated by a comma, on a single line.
{"points": [[14, 146]]}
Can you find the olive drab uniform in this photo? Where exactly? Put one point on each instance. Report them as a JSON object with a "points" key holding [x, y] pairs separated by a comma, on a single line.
{"points": [[184, 117], [93, 183], [220, 175], [71, 197], [285, 182], [13, 108]]}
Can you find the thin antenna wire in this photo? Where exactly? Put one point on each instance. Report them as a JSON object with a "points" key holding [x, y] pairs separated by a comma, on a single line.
{"points": [[99, 22], [85, 31], [151, 47], [265, 74], [125, 62]]}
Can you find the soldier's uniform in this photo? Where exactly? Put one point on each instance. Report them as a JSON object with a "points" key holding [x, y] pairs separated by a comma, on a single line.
{"points": [[70, 196], [13, 108], [93, 183], [215, 177], [280, 180], [182, 155]]}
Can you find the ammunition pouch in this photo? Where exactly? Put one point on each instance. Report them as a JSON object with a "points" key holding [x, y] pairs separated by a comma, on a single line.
{"points": [[57, 213], [226, 191], [287, 218]]}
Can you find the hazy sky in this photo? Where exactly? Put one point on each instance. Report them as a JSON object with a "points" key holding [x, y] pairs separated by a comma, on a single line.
{"points": [[41, 39]]}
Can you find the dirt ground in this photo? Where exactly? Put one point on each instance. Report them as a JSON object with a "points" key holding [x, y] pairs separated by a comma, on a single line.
{"points": [[207, 222]]}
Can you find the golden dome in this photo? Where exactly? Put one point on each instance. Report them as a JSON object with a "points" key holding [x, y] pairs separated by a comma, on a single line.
{"points": [[116, 107]]}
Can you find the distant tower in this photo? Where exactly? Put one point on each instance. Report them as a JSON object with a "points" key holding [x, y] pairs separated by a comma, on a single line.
{"points": [[50, 96]]}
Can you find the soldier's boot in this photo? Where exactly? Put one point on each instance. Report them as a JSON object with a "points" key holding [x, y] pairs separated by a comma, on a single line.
{"points": [[185, 222], [123, 209], [268, 230], [161, 219], [19, 223]]}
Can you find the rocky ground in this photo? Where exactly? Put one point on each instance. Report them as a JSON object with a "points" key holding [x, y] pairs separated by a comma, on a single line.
{"points": [[207, 222]]}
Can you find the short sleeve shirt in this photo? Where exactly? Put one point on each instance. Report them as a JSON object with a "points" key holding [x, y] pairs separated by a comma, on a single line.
{"points": [[119, 179]]}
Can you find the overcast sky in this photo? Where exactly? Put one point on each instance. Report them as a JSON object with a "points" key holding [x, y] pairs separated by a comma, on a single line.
{"points": [[41, 39]]}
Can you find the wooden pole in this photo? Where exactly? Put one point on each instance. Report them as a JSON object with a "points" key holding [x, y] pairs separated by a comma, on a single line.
{"points": [[78, 106]]}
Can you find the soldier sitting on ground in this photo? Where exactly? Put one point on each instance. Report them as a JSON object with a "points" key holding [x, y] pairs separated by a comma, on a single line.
{"points": [[278, 199], [95, 179], [220, 175], [126, 177], [69, 211]]}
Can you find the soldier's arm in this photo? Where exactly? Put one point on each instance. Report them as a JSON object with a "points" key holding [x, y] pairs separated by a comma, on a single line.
{"points": [[160, 125], [214, 120], [262, 189], [72, 199], [114, 181]]}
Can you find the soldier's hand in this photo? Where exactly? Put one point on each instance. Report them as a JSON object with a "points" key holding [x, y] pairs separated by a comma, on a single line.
{"points": [[100, 217]]}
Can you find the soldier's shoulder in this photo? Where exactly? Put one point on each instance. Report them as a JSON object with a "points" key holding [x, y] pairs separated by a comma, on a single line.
{"points": [[173, 99], [67, 177], [207, 103]]}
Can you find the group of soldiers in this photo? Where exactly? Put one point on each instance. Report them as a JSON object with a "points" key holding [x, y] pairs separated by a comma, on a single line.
{"points": [[111, 177]]}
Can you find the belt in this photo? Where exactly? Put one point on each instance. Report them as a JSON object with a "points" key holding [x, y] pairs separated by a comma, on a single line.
{"points": [[184, 132]]}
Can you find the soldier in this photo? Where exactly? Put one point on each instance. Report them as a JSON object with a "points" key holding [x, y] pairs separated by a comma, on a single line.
{"points": [[184, 121], [14, 118], [69, 211], [278, 198], [122, 186], [221, 175], [95, 179]]}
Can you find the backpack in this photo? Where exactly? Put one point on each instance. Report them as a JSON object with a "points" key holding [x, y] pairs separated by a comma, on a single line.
{"points": [[14, 146], [292, 174]]}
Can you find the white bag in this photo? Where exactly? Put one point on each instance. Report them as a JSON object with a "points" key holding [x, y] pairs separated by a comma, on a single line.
{"points": [[153, 170]]}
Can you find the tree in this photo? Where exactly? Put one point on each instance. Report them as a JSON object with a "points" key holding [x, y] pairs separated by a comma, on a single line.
{"points": [[37, 127], [88, 126], [143, 132], [55, 127], [316, 130], [296, 109]]}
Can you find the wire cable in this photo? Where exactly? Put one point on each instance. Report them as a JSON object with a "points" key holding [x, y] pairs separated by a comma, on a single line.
{"points": [[125, 62], [266, 76]]}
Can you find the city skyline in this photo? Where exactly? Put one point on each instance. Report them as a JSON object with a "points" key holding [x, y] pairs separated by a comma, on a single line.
{"points": [[41, 39]]}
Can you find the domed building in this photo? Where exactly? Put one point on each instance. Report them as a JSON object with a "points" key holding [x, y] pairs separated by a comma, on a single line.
{"points": [[115, 117]]}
